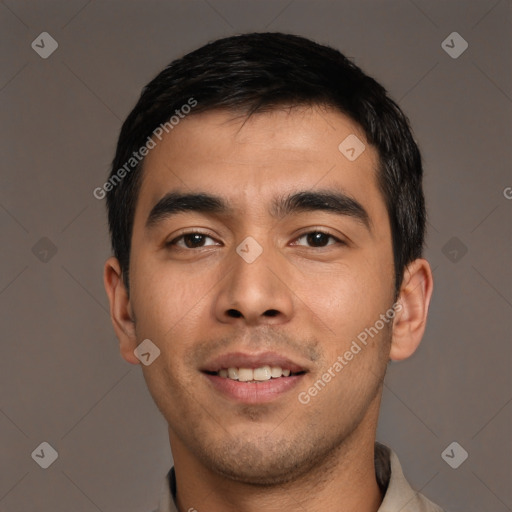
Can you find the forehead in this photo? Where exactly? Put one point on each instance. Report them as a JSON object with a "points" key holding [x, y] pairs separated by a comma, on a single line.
{"points": [[248, 160]]}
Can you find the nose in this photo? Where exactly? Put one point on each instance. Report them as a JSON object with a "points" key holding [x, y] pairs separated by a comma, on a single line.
{"points": [[255, 292]]}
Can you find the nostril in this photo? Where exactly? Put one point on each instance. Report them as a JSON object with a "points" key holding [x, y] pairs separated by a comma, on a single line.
{"points": [[271, 312], [234, 313]]}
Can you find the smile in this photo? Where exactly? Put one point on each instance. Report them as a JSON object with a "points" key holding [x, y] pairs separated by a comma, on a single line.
{"points": [[253, 378]]}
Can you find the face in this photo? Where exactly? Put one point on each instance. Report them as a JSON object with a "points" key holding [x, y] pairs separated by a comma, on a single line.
{"points": [[269, 281]]}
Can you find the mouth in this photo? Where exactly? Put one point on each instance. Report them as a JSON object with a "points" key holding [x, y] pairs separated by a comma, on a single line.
{"points": [[253, 378]]}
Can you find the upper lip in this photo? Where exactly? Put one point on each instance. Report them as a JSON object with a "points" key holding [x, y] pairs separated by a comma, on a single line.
{"points": [[246, 360]]}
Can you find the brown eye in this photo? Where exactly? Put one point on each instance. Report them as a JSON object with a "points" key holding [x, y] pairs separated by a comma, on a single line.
{"points": [[318, 239], [191, 241]]}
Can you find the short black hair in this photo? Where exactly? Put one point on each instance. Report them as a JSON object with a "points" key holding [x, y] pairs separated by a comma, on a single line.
{"points": [[257, 72]]}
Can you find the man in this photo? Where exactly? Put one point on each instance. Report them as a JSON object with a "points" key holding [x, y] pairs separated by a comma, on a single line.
{"points": [[267, 220]]}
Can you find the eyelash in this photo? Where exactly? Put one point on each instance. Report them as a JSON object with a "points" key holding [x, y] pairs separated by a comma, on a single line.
{"points": [[183, 235]]}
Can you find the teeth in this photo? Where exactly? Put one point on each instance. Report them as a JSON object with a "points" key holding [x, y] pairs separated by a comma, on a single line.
{"points": [[263, 373], [258, 374], [276, 372], [245, 374]]}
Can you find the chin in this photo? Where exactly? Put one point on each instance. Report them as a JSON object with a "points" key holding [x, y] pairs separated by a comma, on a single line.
{"points": [[264, 474], [265, 462]]}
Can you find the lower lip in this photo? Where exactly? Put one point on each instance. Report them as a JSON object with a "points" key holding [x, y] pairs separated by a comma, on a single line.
{"points": [[254, 392]]}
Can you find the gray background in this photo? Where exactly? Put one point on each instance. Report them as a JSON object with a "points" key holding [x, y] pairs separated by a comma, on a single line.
{"points": [[62, 379]]}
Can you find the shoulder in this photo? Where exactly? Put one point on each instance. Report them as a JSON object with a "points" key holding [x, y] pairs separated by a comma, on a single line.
{"points": [[400, 495]]}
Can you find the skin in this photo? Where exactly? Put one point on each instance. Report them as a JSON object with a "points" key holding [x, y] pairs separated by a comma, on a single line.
{"points": [[307, 299]]}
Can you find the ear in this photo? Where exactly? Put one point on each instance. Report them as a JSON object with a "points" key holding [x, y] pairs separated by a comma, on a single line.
{"points": [[120, 310], [412, 309]]}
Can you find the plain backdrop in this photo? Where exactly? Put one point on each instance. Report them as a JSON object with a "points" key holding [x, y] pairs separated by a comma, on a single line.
{"points": [[62, 380]]}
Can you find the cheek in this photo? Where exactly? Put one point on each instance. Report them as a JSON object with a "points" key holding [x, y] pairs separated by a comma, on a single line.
{"points": [[163, 297], [171, 307], [164, 304], [349, 297]]}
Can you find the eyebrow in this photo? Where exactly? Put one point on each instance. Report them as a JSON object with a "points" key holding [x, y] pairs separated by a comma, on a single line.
{"points": [[298, 202], [321, 200], [176, 202]]}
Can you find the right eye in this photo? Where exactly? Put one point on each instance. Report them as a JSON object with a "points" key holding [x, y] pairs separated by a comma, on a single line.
{"points": [[191, 240]]}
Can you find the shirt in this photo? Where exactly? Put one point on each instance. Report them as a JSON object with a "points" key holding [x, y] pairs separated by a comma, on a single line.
{"points": [[398, 494]]}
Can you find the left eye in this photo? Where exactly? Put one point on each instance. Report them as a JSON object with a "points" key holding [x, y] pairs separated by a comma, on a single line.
{"points": [[318, 239], [191, 240]]}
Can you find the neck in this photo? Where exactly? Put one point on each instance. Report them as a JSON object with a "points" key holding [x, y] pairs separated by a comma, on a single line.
{"points": [[346, 477]]}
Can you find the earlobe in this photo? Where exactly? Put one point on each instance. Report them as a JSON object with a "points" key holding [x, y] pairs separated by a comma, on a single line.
{"points": [[414, 299], [121, 312]]}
